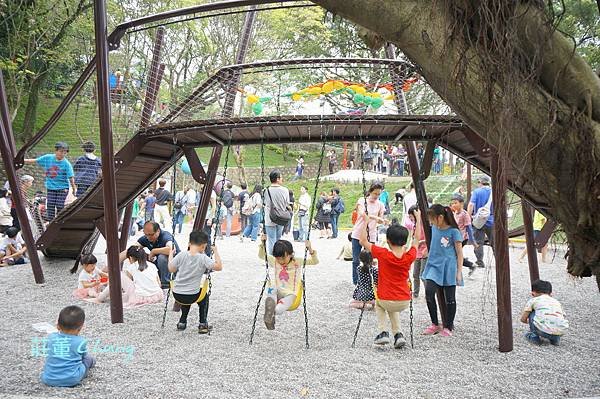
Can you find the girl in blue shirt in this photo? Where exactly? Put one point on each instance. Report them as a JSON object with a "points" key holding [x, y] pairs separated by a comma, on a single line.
{"points": [[444, 267]]}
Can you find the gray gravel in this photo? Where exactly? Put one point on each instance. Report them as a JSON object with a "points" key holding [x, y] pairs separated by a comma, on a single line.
{"points": [[168, 363]]}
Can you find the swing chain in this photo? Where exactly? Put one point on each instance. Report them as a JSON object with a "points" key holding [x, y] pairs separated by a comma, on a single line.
{"points": [[218, 210], [364, 182], [310, 218], [220, 202], [262, 194]]}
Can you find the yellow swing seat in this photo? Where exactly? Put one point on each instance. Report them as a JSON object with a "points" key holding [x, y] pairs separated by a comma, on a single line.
{"points": [[298, 299], [203, 291]]}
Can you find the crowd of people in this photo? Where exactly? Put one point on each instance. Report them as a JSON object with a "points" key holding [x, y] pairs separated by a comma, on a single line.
{"points": [[380, 267]]}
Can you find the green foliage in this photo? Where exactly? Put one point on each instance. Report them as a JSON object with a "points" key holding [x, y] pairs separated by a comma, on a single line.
{"points": [[581, 22]]}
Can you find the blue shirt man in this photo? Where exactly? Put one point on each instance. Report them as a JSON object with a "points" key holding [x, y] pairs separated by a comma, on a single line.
{"points": [[59, 174], [479, 199]]}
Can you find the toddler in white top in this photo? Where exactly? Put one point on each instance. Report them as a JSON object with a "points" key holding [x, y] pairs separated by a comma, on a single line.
{"points": [[544, 314], [91, 280]]}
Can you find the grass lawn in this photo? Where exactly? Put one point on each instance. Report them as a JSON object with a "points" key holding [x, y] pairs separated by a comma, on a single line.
{"points": [[439, 188]]}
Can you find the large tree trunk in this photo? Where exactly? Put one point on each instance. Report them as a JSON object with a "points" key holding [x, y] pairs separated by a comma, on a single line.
{"points": [[516, 81], [31, 109]]}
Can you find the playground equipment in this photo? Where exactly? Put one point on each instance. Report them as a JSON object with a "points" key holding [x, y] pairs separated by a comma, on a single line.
{"points": [[205, 118]]}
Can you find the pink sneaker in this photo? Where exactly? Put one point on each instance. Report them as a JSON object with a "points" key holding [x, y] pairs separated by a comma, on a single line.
{"points": [[446, 333], [432, 329]]}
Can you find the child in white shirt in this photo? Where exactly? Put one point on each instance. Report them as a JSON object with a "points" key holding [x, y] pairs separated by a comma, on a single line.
{"points": [[544, 314], [13, 250], [91, 280]]}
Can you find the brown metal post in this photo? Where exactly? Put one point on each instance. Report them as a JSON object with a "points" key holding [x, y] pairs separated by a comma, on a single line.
{"points": [[109, 187], [534, 271], [154, 78], [8, 155], [5, 114], [413, 162], [499, 183], [209, 183], [242, 50]]}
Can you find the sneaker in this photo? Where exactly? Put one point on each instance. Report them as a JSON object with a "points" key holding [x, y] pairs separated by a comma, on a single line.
{"points": [[432, 329], [270, 313], [204, 328], [399, 341], [382, 339], [446, 333], [533, 338], [181, 326]]}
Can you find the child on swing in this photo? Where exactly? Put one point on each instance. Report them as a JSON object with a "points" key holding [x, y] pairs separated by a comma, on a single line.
{"points": [[90, 278], [393, 290], [288, 271], [190, 266]]}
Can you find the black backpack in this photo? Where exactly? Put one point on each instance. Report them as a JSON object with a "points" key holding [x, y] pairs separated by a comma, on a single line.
{"points": [[228, 199]]}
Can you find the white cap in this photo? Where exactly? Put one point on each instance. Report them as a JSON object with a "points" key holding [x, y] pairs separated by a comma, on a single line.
{"points": [[27, 178]]}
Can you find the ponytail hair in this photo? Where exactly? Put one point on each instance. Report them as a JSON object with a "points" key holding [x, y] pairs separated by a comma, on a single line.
{"points": [[366, 258], [139, 255], [441, 210]]}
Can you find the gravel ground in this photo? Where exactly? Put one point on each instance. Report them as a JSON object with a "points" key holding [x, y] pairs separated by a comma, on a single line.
{"points": [[167, 363]]}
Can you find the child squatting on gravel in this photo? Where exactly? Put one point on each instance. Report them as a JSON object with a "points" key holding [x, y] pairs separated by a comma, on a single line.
{"points": [[67, 362], [544, 314], [190, 266], [393, 290], [288, 271]]}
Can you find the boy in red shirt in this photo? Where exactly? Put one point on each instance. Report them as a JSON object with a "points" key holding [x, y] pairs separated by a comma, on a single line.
{"points": [[393, 291]]}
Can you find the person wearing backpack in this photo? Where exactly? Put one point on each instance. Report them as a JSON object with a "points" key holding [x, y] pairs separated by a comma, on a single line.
{"points": [[180, 208], [243, 196], [228, 197], [337, 208], [277, 210], [323, 217], [482, 210]]}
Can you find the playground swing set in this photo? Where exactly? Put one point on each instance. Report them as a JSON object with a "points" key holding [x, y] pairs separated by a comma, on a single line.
{"points": [[156, 147]]}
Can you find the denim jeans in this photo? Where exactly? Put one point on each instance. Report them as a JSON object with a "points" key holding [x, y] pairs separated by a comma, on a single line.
{"points": [[334, 224], [178, 220], [274, 233], [162, 262], [356, 248], [400, 167], [252, 225], [554, 339], [303, 227], [55, 202]]}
